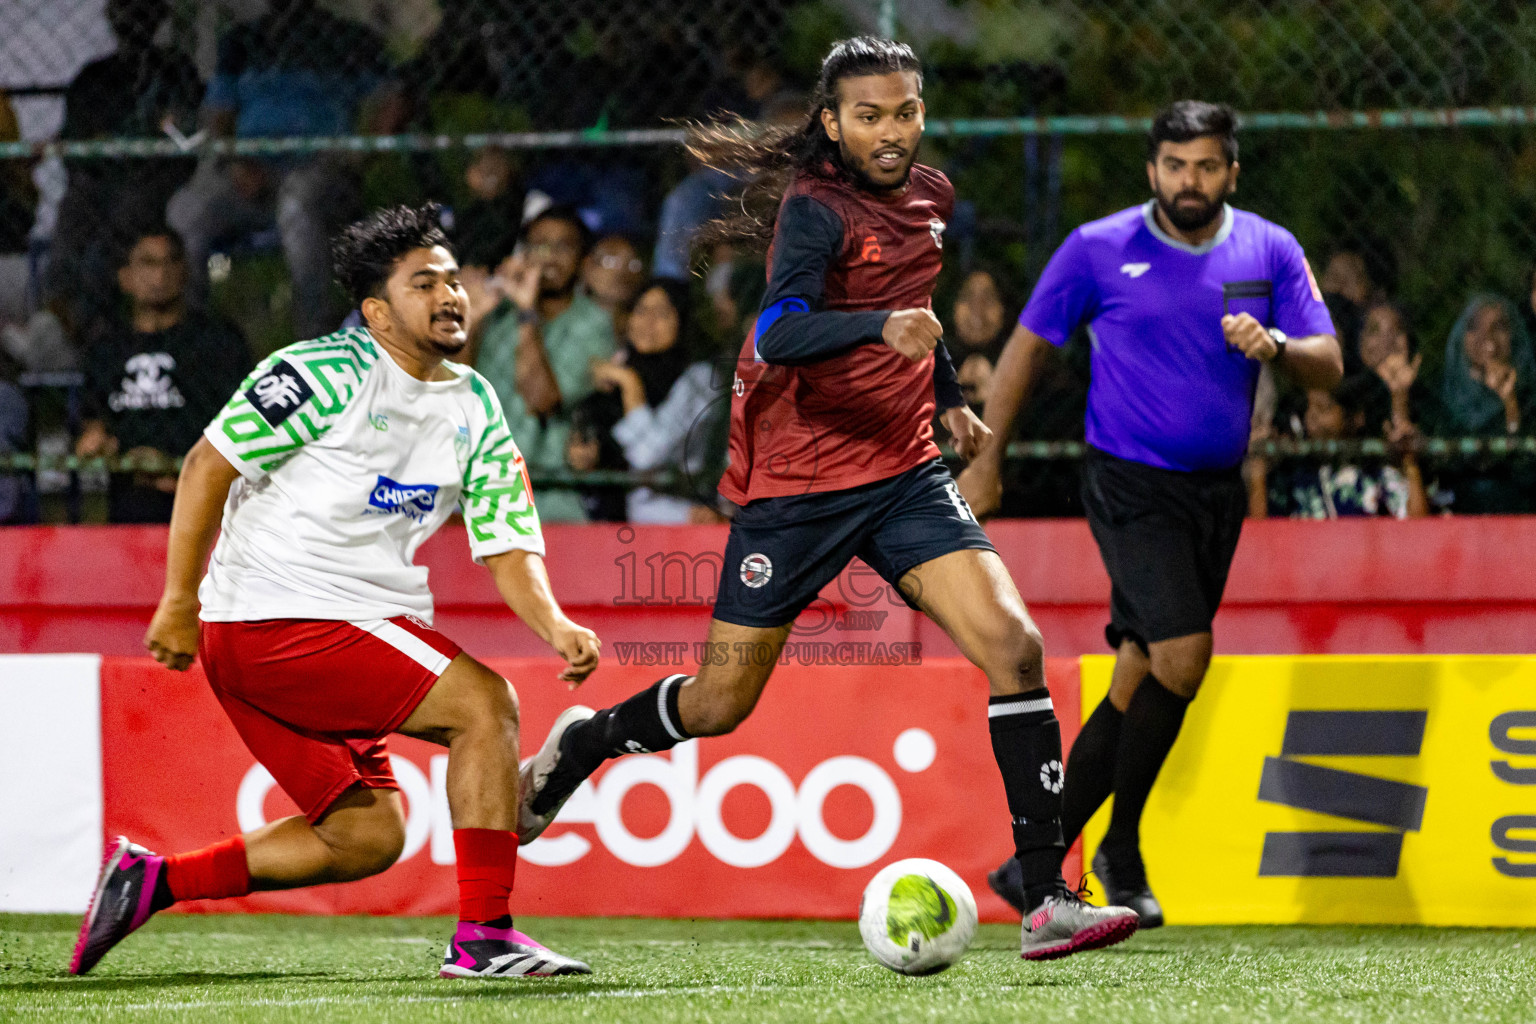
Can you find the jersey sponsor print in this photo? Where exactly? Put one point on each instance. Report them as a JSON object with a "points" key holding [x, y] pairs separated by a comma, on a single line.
{"points": [[347, 464]]}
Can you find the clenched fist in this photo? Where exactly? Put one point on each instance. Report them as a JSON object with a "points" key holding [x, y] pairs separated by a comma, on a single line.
{"points": [[912, 332]]}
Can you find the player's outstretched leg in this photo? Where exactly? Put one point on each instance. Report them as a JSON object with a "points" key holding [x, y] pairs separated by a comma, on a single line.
{"points": [[359, 834], [971, 596], [676, 708], [473, 711], [1090, 773], [135, 884]]}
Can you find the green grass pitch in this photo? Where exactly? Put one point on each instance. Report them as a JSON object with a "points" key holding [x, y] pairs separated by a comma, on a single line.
{"points": [[234, 969]]}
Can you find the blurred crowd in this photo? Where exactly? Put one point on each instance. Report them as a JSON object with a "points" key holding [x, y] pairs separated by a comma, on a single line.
{"points": [[630, 367]]}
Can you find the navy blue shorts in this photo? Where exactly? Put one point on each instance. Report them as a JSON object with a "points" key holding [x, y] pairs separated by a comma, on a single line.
{"points": [[782, 551]]}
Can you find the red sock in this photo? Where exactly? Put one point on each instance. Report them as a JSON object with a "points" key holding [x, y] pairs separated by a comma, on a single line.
{"points": [[211, 873], [487, 862]]}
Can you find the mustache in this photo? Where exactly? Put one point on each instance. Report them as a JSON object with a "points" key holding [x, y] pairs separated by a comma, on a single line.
{"points": [[453, 316]]}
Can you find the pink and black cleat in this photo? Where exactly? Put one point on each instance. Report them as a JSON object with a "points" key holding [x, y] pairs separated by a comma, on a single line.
{"points": [[481, 951], [124, 900]]}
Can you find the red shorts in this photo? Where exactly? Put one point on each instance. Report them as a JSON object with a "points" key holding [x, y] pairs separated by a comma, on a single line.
{"points": [[314, 699]]}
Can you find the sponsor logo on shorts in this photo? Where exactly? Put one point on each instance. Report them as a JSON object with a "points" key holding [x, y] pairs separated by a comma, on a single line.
{"points": [[756, 571], [279, 392], [414, 500]]}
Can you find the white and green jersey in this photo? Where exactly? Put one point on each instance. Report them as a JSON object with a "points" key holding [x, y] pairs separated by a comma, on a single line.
{"points": [[347, 464]]}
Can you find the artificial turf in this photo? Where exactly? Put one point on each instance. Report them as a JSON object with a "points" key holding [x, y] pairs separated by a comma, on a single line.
{"points": [[233, 969]]}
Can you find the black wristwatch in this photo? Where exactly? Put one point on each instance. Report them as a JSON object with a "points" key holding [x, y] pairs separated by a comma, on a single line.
{"points": [[1280, 340], [526, 317]]}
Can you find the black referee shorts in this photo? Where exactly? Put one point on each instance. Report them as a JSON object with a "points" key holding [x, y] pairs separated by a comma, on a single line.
{"points": [[1167, 540]]}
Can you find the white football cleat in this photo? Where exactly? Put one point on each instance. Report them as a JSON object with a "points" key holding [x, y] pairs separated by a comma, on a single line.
{"points": [[534, 774]]}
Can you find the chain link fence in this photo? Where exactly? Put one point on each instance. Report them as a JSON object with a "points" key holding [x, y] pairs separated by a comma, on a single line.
{"points": [[1393, 138]]}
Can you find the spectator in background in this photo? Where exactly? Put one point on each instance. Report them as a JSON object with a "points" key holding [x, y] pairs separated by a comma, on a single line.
{"points": [[665, 391], [1346, 274], [537, 345], [296, 71], [612, 274], [701, 194], [156, 377], [1387, 349], [980, 325], [141, 90], [735, 286], [1347, 289], [18, 204], [16, 490], [1330, 490], [1488, 389], [485, 229]]}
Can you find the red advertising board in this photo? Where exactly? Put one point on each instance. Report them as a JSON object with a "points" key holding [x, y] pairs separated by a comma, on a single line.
{"points": [[841, 769]]}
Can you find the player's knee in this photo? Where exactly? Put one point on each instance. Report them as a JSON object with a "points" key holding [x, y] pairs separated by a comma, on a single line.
{"points": [[493, 706], [374, 855], [1181, 670], [366, 846], [1014, 651]]}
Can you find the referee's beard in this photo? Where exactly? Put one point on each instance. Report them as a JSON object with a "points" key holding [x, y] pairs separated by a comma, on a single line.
{"points": [[1191, 210]]}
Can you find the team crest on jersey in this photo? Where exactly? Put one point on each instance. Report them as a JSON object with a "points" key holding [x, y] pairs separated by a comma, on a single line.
{"points": [[278, 392], [414, 500], [756, 571], [871, 251], [936, 229]]}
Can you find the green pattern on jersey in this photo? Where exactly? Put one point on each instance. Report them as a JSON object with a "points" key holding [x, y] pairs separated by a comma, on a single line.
{"points": [[333, 365], [497, 497]]}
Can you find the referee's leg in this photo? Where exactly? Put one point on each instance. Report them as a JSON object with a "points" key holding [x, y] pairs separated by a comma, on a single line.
{"points": [[1152, 692]]}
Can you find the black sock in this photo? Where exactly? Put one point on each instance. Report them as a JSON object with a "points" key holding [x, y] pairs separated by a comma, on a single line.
{"points": [[1151, 724], [647, 723], [1026, 740], [1090, 769]]}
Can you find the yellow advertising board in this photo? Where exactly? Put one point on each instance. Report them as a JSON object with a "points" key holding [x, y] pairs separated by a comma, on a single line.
{"points": [[1346, 789]]}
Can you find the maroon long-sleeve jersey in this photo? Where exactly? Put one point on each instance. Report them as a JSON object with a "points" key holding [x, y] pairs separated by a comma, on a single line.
{"points": [[819, 402]]}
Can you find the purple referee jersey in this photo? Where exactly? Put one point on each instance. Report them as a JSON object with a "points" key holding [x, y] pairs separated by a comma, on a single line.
{"points": [[1165, 389]]}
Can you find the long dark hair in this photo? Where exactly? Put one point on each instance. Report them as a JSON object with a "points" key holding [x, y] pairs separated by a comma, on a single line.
{"points": [[769, 156]]}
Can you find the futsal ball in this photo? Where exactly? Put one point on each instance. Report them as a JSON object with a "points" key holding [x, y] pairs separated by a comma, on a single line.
{"points": [[917, 916]]}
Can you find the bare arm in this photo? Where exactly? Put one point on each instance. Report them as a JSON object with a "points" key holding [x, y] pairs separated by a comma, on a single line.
{"points": [[535, 380], [206, 477], [531, 373], [1012, 381], [523, 583], [1315, 362], [1256, 477]]}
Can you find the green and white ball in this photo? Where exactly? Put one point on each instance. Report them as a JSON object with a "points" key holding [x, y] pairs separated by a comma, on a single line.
{"points": [[917, 916]]}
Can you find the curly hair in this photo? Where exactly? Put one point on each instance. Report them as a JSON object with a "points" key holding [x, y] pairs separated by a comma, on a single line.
{"points": [[364, 254], [769, 156]]}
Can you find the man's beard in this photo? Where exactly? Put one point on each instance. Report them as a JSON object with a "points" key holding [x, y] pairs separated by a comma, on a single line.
{"points": [[551, 291], [1186, 219], [447, 348], [864, 180]]}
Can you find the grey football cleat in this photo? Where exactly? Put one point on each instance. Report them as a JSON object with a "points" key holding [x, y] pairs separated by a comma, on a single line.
{"points": [[535, 775], [1063, 924]]}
